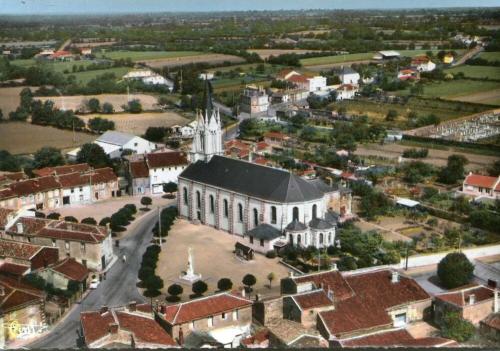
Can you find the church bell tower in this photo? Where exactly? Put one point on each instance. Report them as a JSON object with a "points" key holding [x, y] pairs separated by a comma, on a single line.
{"points": [[207, 140]]}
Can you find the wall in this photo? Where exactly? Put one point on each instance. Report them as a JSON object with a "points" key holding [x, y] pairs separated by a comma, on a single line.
{"points": [[479, 311], [266, 310]]}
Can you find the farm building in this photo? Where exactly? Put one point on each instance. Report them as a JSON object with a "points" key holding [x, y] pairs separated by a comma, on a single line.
{"points": [[149, 77]]}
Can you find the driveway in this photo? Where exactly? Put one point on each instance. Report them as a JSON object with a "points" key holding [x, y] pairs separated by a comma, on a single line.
{"points": [[118, 289]]}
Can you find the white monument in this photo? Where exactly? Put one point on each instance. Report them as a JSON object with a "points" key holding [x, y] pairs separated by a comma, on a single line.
{"points": [[190, 275]]}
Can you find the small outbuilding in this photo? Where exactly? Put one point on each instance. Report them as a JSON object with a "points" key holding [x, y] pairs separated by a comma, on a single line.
{"points": [[243, 251]]}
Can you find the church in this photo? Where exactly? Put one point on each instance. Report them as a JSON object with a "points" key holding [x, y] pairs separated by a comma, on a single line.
{"points": [[272, 206]]}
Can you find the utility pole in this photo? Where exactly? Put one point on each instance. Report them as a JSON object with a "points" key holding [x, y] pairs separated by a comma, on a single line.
{"points": [[159, 225]]}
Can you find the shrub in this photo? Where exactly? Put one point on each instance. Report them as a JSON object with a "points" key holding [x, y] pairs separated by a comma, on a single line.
{"points": [[71, 219], [456, 328], [455, 270], [175, 290], [103, 222], [89, 220], [39, 214], [131, 207], [199, 288], [146, 201], [249, 280], [224, 284], [271, 254], [54, 215]]}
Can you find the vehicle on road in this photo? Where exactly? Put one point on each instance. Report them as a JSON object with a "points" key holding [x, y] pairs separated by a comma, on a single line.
{"points": [[94, 284]]}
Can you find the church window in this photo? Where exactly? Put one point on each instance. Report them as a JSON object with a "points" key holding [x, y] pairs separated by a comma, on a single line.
{"points": [[273, 214], [198, 199], [290, 238], [299, 239], [261, 242], [185, 196], [295, 213], [240, 212], [251, 240], [226, 208], [315, 209], [321, 238], [329, 237], [255, 217], [212, 206]]}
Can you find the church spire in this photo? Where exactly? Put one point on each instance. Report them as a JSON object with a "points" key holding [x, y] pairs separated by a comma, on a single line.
{"points": [[208, 105]]}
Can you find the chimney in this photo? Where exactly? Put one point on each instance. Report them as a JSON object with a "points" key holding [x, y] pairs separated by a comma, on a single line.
{"points": [[132, 306], [2, 291], [330, 293], [113, 328], [243, 293], [108, 228], [395, 277], [496, 302], [103, 309], [181, 337], [257, 297], [472, 299], [20, 228], [334, 267], [290, 274]]}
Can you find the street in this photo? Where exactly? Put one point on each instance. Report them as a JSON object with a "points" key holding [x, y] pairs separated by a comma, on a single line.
{"points": [[118, 289]]}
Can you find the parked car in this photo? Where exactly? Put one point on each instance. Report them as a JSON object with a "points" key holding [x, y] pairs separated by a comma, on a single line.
{"points": [[94, 284]]}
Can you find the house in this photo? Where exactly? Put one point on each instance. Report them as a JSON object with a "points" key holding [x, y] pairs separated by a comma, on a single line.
{"points": [[353, 304], [265, 238], [423, 63], [86, 51], [408, 74], [490, 327], [254, 100], [61, 170], [448, 58], [346, 92], [275, 138], [237, 149], [22, 309], [148, 174], [387, 55], [348, 76], [290, 95], [186, 131], [114, 143], [206, 76], [226, 317], [65, 271], [473, 303], [61, 55], [6, 215], [86, 188], [309, 83], [90, 245], [149, 77], [131, 326], [20, 258], [480, 186]]}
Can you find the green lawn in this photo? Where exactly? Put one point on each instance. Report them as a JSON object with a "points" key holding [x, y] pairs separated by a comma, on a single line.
{"points": [[490, 56], [477, 71], [147, 55], [86, 76], [454, 88]]}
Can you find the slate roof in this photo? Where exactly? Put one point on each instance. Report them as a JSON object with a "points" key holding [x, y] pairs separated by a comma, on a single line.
{"points": [[296, 226], [265, 231], [318, 223], [251, 179], [115, 138]]}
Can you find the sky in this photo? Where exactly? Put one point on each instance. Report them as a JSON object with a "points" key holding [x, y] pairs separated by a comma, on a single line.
{"points": [[137, 6]]}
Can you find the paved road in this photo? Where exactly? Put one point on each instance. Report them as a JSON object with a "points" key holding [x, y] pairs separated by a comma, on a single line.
{"points": [[468, 55], [118, 289]]}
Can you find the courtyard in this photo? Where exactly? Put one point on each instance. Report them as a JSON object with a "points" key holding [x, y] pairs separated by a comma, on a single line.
{"points": [[213, 259]]}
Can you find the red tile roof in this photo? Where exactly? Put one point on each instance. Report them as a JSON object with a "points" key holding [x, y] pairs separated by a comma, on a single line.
{"points": [[143, 328], [492, 321], [5, 214], [256, 339], [373, 293], [61, 170], [204, 307], [234, 143], [396, 338], [30, 225], [417, 60], [260, 161], [166, 159], [13, 176], [313, 299], [480, 181], [18, 250], [325, 280], [33, 186], [71, 269], [13, 269], [262, 145], [460, 297], [298, 78], [17, 294], [6, 194], [139, 169]]}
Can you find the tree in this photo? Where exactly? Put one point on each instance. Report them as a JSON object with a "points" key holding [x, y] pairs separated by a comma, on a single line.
{"points": [[249, 280], [347, 263], [151, 294], [48, 157], [103, 222], [146, 201], [155, 134], [455, 270], [53, 215], [224, 284], [494, 170], [175, 290], [107, 108], [89, 220], [271, 276], [134, 106], [93, 105], [199, 288], [26, 99], [153, 282], [454, 170], [456, 328], [100, 125], [1, 115], [170, 187], [94, 155], [391, 115], [70, 219]]}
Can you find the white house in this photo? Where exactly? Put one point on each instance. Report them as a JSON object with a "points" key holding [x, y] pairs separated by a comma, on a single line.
{"points": [[346, 92], [423, 64], [349, 76], [311, 84], [207, 76], [150, 78]]}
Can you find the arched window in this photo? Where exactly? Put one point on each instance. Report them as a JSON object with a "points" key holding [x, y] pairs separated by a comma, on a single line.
{"points": [[299, 239], [255, 217], [290, 238], [240, 212], [212, 204], [226, 208], [321, 238], [198, 199], [315, 210], [329, 238], [295, 214], [273, 215], [185, 195]]}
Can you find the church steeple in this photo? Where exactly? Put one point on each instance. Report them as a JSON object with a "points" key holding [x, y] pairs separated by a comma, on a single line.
{"points": [[208, 132]]}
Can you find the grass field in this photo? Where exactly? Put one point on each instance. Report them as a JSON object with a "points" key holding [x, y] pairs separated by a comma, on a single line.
{"points": [[146, 55], [214, 59], [477, 71], [25, 138], [86, 76], [490, 56], [237, 84], [457, 89], [138, 123], [266, 53]]}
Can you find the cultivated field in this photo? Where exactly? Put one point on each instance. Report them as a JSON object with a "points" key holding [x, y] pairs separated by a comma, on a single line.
{"points": [[476, 71], [200, 58], [25, 138], [9, 99], [86, 76], [138, 123], [436, 157], [490, 56], [266, 53], [147, 55], [491, 97], [117, 100], [459, 90]]}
